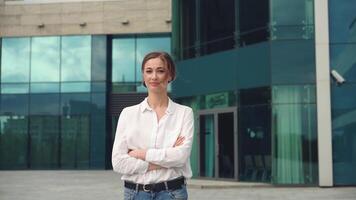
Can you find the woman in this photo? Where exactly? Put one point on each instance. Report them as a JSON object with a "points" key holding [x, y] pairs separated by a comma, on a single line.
{"points": [[154, 138]]}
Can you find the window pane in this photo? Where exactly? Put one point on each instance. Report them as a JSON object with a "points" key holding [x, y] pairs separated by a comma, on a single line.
{"points": [[293, 62], [342, 24], [98, 86], [292, 19], [75, 142], [44, 131], [99, 58], [44, 104], [295, 148], [75, 104], [15, 60], [75, 87], [146, 45], [45, 59], [13, 138], [123, 60], [14, 88], [44, 87], [14, 104], [75, 59], [294, 94]]}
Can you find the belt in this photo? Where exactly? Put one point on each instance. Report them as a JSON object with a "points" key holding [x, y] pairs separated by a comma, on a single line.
{"points": [[157, 187]]}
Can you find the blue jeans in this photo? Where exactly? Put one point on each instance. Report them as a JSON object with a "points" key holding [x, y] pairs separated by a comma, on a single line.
{"points": [[181, 194]]}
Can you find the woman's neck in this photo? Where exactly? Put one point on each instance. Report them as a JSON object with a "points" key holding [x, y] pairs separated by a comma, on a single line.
{"points": [[157, 100]]}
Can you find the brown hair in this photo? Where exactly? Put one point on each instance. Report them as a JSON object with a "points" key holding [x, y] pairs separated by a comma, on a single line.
{"points": [[165, 57]]}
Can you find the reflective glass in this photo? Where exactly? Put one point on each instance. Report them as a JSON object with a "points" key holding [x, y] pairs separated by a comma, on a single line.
{"points": [[99, 58], [123, 87], [292, 19], [294, 94], [75, 131], [75, 87], [44, 131], [14, 104], [98, 86], [45, 59], [147, 44], [294, 154], [342, 23], [14, 88], [184, 30], [75, 58], [123, 60], [292, 62], [15, 60], [98, 130], [13, 142], [44, 104], [44, 87], [75, 104], [343, 60]]}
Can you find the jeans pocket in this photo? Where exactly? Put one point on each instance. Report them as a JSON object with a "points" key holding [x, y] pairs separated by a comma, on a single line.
{"points": [[179, 194]]}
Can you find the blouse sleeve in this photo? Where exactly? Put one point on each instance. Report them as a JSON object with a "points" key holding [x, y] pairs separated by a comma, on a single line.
{"points": [[123, 163], [175, 156]]}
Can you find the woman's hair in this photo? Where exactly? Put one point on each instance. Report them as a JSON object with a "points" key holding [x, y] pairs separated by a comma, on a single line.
{"points": [[166, 59]]}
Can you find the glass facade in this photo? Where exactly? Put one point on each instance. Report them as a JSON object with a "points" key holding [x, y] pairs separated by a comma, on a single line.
{"points": [[54, 96], [342, 31], [268, 61]]}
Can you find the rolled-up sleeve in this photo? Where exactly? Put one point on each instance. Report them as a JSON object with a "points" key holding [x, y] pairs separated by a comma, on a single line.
{"points": [[175, 156], [123, 163]]}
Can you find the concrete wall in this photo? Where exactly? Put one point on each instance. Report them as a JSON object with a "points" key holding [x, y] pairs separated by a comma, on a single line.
{"points": [[98, 17]]}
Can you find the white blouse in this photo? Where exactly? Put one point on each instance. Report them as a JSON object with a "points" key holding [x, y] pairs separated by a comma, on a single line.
{"points": [[138, 128]]}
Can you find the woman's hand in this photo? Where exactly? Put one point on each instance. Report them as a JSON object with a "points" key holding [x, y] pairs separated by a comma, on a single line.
{"points": [[138, 153], [179, 141]]}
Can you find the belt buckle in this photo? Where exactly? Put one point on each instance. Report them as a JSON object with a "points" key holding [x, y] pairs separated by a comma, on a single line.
{"points": [[144, 188]]}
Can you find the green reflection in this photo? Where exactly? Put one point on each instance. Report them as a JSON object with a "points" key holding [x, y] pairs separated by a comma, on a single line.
{"points": [[44, 87], [14, 88], [75, 87], [76, 58], [45, 59], [15, 60]]}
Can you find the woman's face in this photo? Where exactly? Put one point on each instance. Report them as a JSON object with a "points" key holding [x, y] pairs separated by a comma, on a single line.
{"points": [[156, 75]]}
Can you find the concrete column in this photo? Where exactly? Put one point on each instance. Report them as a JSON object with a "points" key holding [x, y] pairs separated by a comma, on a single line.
{"points": [[323, 92]]}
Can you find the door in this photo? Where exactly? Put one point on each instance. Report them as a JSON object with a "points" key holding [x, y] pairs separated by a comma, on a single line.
{"points": [[217, 139]]}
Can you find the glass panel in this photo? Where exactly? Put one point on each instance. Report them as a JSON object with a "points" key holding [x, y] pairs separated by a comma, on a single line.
{"points": [[98, 86], [207, 146], [44, 131], [15, 60], [14, 104], [343, 101], [226, 145], [98, 132], [44, 104], [123, 60], [254, 143], [44, 87], [45, 59], [292, 19], [75, 87], [342, 26], [123, 87], [293, 62], [74, 104], [253, 21], [13, 142], [217, 25], [295, 149], [76, 58], [188, 26], [75, 141], [99, 50], [294, 94], [147, 44], [343, 60], [14, 88]]}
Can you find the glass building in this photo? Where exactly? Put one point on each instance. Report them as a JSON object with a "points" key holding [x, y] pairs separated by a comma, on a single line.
{"points": [[252, 72], [61, 97]]}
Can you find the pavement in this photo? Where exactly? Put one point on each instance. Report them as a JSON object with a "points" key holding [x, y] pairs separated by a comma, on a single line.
{"points": [[106, 185]]}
